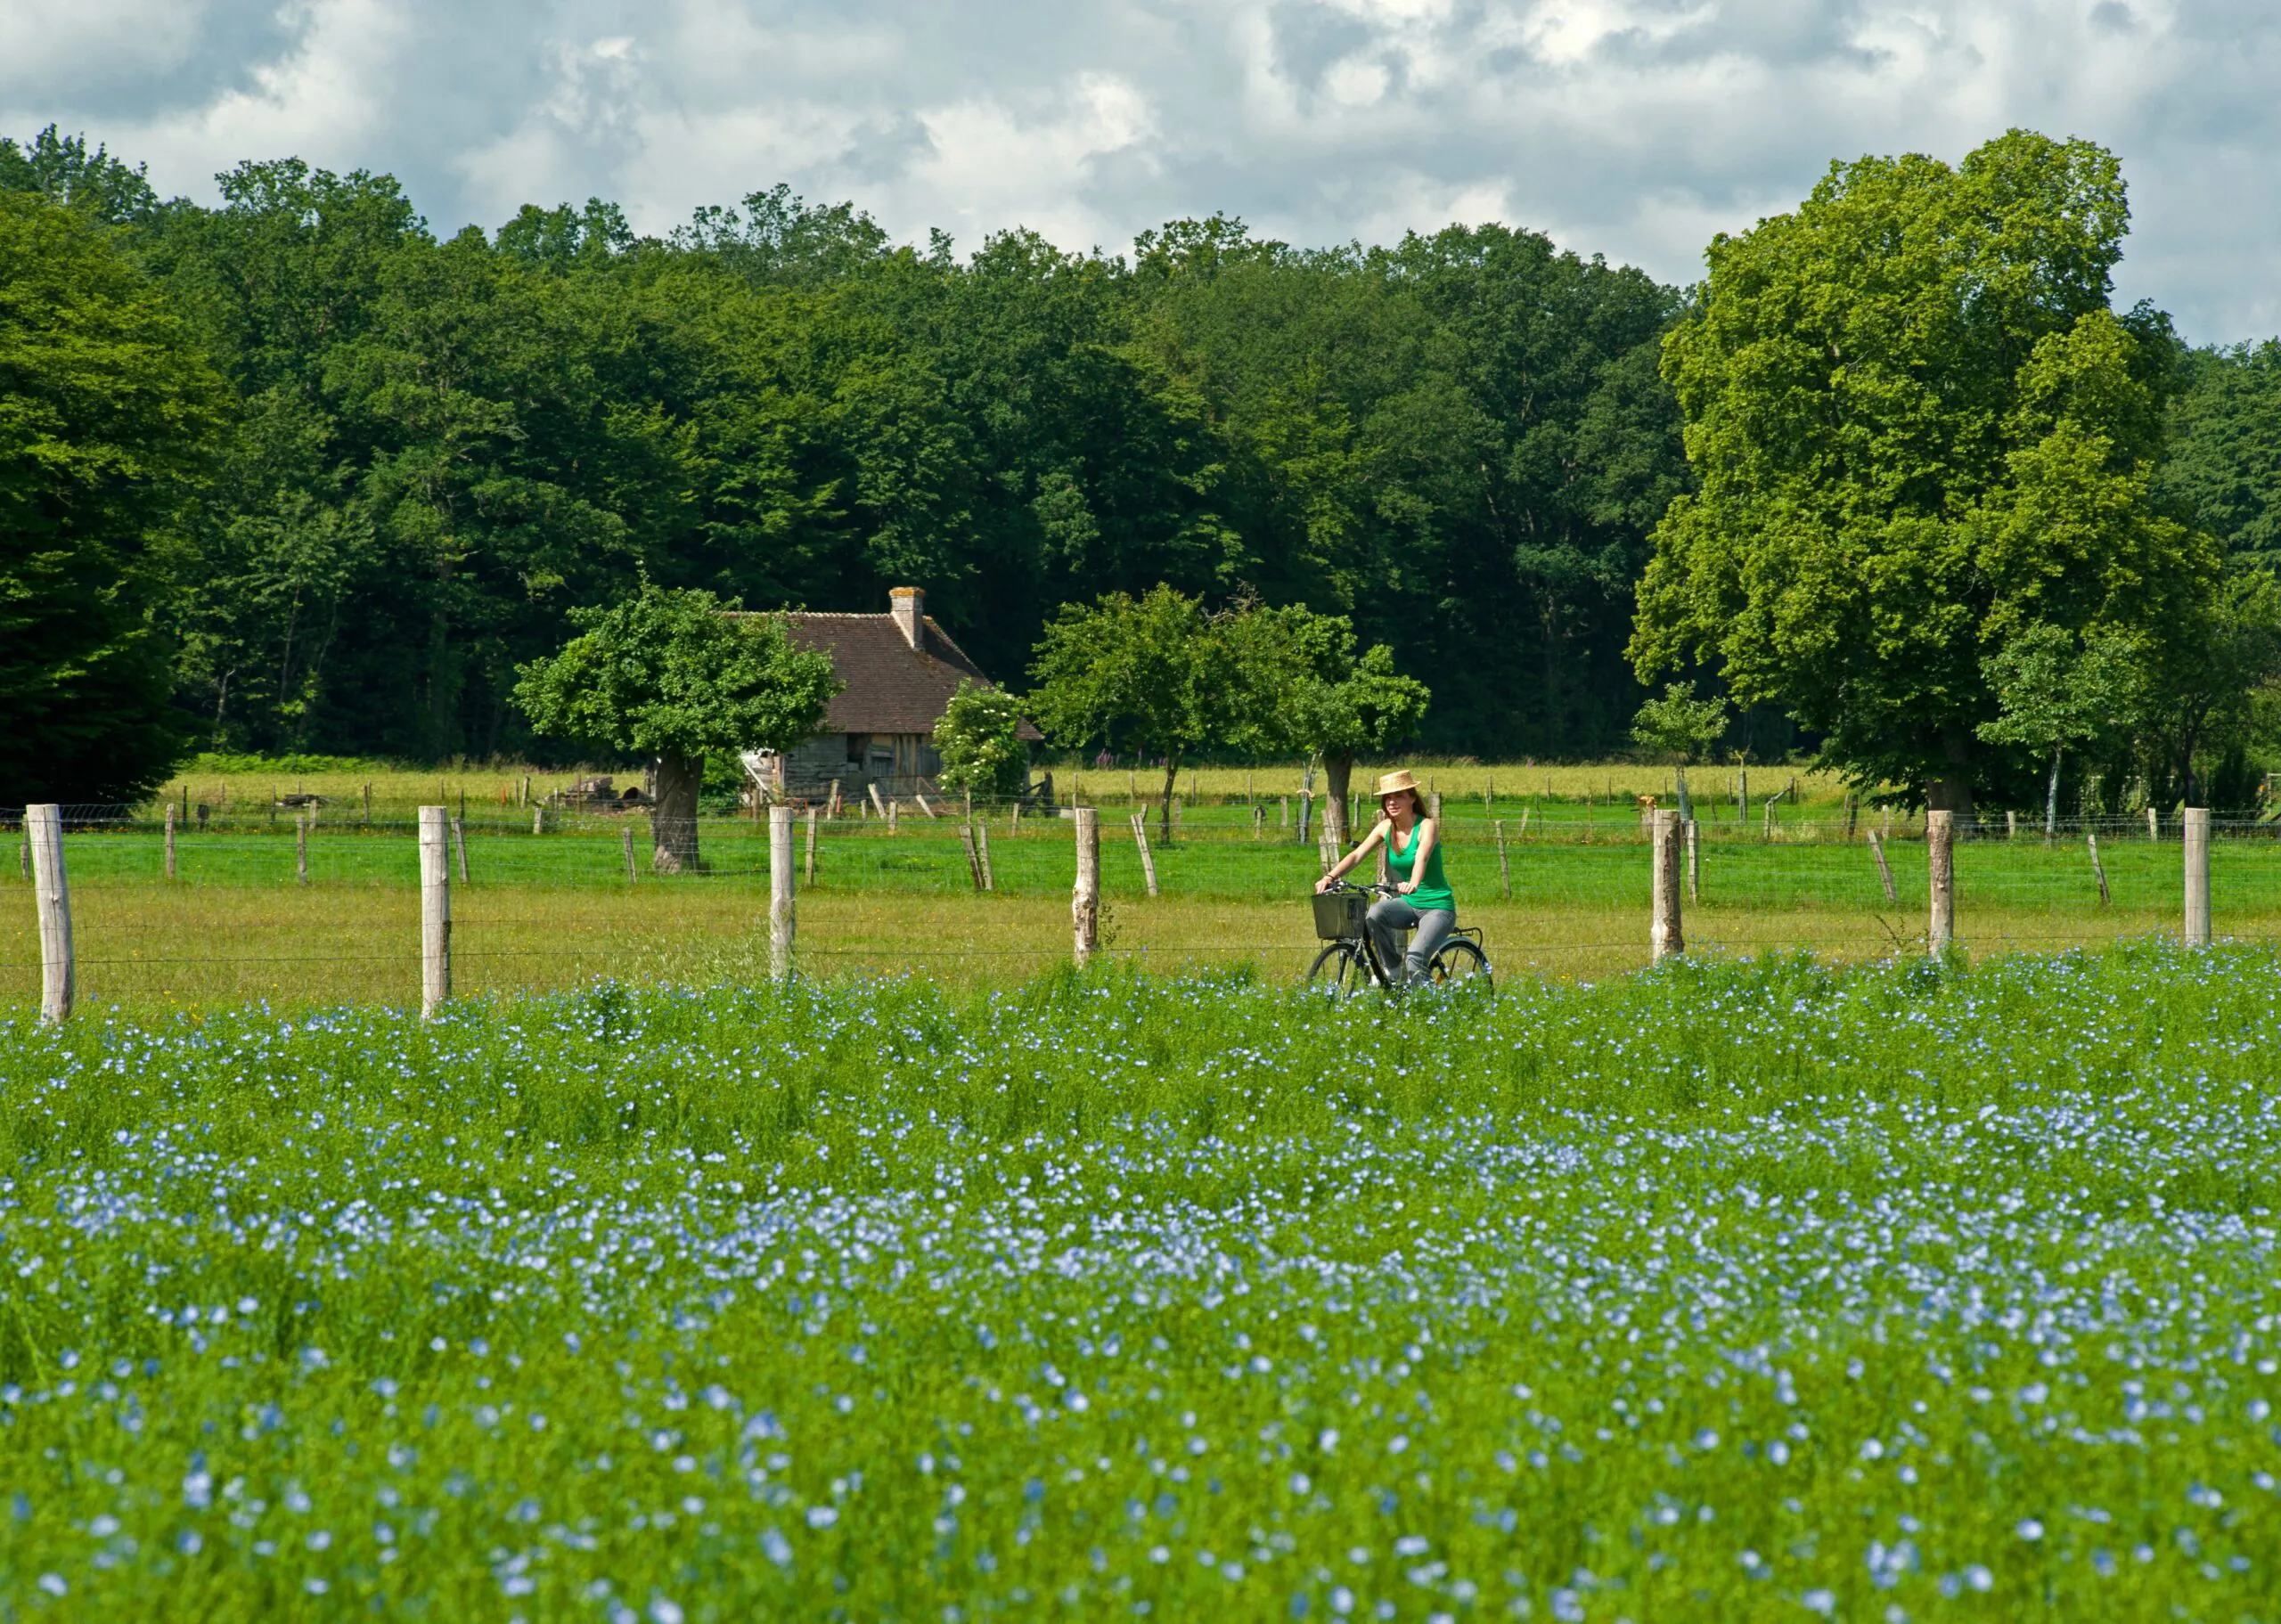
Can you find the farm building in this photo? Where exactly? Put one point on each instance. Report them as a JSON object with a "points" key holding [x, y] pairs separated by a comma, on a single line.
{"points": [[898, 671]]}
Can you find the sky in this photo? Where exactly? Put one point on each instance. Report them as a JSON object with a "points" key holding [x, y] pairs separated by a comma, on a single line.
{"points": [[1633, 129]]}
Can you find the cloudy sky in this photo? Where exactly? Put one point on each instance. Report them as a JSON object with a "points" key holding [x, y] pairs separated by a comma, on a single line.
{"points": [[1632, 128]]}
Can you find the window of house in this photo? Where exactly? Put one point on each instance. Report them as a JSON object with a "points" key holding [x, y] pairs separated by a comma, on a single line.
{"points": [[857, 745]]}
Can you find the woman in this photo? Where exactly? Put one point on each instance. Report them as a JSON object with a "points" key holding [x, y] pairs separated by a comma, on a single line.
{"points": [[1414, 859]]}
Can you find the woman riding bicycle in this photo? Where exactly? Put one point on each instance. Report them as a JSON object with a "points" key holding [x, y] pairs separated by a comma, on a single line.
{"points": [[1424, 902]]}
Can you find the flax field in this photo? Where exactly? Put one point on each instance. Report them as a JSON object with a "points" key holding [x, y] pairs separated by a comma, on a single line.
{"points": [[1776, 1288]]}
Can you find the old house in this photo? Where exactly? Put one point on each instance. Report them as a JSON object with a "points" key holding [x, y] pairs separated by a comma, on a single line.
{"points": [[898, 671]]}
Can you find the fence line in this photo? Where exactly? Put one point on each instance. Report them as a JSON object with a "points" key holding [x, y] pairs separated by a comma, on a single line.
{"points": [[1670, 870]]}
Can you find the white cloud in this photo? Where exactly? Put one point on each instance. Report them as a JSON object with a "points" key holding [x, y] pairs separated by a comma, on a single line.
{"points": [[1636, 127]]}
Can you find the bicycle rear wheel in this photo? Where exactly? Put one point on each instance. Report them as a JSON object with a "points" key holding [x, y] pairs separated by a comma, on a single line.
{"points": [[1458, 963], [1339, 971]]}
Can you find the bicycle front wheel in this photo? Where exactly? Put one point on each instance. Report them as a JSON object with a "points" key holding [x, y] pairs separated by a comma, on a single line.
{"points": [[1456, 963], [1339, 971]]}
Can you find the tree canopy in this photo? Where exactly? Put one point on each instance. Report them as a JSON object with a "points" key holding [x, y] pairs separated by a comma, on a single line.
{"points": [[108, 414], [678, 676], [1919, 428]]}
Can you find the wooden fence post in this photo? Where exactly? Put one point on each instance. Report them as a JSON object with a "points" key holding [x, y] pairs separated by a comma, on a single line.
{"points": [[982, 850], [1014, 822], [872, 790], [2011, 826], [1885, 868], [1140, 839], [301, 847], [368, 802], [2099, 868], [2195, 832], [51, 889], [780, 893], [1258, 820], [538, 818], [171, 840], [1307, 809], [1665, 936], [1283, 816], [459, 846], [1939, 862], [1504, 862], [626, 832], [808, 875], [1085, 895], [1693, 862], [973, 860], [2153, 824], [435, 912], [1433, 810], [894, 809]]}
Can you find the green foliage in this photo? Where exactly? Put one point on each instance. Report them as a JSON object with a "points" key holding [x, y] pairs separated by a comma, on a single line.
{"points": [[1307, 692], [60, 169], [1680, 725], [108, 416], [1153, 675], [2053, 689], [2221, 472], [220, 763], [1919, 429], [774, 1291], [979, 739], [669, 674]]}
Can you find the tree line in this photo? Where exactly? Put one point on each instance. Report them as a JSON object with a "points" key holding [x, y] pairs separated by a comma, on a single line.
{"points": [[296, 473]]}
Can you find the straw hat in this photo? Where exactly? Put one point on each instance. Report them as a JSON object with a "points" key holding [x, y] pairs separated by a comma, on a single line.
{"points": [[1394, 783]]}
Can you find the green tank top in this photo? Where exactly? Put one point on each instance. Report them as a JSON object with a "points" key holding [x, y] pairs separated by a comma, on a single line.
{"points": [[1433, 891]]}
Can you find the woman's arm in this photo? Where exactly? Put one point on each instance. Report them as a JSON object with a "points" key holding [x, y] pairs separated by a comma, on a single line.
{"points": [[1344, 865], [1428, 834]]}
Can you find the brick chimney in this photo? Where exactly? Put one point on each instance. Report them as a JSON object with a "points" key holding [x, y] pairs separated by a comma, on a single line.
{"points": [[908, 605]]}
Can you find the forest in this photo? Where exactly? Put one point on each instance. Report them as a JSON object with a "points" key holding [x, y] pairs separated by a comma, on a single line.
{"points": [[365, 471]]}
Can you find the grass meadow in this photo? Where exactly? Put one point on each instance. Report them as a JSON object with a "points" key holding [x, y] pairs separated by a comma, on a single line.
{"points": [[1734, 1289], [1567, 897]]}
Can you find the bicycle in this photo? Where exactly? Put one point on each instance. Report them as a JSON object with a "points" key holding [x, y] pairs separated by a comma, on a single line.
{"points": [[1350, 963]]}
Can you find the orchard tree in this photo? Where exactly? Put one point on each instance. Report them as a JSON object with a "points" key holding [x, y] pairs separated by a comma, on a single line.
{"points": [[678, 676], [2053, 693], [1154, 674], [1680, 724], [109, 415], [979, 737], [1919, 428], [1308, 688]]}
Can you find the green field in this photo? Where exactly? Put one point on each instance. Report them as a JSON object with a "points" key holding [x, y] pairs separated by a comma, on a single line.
{"points": [[555, 909], [1735, 1291]]}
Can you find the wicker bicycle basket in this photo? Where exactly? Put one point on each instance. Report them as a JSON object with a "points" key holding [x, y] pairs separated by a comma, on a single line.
{"points": [[1338, 914]]}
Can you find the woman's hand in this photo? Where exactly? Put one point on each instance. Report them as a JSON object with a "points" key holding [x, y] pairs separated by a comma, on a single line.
{"points": [[1325, 884], [1407, 886]]}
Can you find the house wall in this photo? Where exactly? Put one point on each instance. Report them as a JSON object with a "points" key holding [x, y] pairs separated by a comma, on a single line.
{"points": [[897, 762]]}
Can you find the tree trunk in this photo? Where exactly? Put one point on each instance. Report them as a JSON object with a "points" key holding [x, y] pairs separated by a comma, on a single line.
{"points": [[1948, 791], [673, 819], [2051, 799], [1165, 812], [1338, 772]]}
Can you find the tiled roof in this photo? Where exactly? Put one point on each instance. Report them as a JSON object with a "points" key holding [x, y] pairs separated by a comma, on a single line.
{"points": [[890, 686]]}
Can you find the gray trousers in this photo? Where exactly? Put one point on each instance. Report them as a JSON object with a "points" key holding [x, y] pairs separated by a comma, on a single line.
{"points": [[1389, 916]]}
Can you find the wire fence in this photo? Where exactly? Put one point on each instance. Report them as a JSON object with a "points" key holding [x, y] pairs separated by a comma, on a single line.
{"points": [[321, 903]]}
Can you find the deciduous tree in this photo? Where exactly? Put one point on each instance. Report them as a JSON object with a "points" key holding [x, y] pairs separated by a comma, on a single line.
{"points": [[673, 675], [108, 411], [1919, 429]]}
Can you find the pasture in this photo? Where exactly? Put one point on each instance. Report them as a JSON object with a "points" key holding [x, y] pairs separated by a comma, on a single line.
{"points": [[1733, 1290], [558, 909]]}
